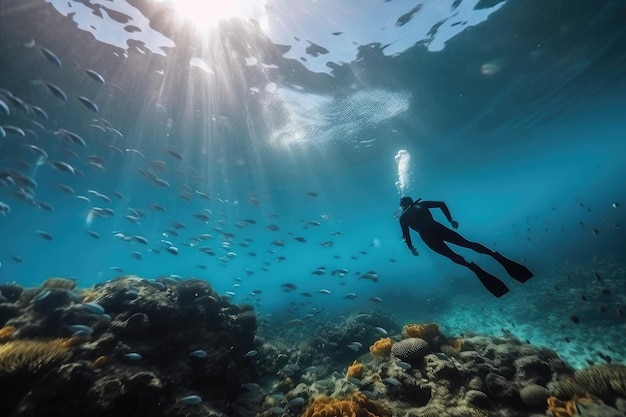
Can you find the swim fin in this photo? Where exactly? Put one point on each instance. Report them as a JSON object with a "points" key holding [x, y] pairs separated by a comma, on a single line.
{"points": [[517, 271], [493, 284]]}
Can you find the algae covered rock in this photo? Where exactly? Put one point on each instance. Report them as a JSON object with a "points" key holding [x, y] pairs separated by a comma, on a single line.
{"points": [[534, 395]]}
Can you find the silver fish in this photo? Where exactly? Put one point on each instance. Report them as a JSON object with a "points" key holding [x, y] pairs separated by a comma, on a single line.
{"points": [[56, 91], [63, 167], [95, 76], [39, 112], [88, 104], [51, 56], [36, 149], [5, 108]]}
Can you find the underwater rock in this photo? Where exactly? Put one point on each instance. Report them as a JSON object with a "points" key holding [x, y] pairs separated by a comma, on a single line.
{"points": [[136, 323], [11, 292], [532, 370], [500, 388], [476, 398], [534, 395], [54, 298]]}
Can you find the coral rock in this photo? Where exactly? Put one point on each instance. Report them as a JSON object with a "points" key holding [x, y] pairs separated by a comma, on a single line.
{"points": [[476, 398], [499, 387], [381, 347], [358, 405]]}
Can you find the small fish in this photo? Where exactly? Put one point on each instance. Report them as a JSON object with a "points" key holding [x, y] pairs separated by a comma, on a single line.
{"points": [[324, 292], [44, 235], [80, 330], [5, 108], [376, 299], [297, 402], [174, 154], [93, 308], [355, 381], [191, 400], [36, 149], [133, 356], [172, 249], [14, 130], [140, 239], [443, 356], [404, 365], [574, 319], [392, 381], [200, 354], [89, 104], [56, 91], [95, 76], [251, 354], [51, 56], [277, 410], [380, 330], [71, 137], [42, 295]]}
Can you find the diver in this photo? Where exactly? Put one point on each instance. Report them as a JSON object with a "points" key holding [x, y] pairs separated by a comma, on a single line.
{"points": [[417, 216]]}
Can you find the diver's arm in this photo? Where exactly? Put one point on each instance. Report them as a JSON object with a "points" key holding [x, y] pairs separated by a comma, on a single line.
{"points": [[444, 208], [406, 235]]}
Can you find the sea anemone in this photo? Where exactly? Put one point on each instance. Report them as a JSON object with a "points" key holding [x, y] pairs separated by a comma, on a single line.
{"points": [[355, 370]]}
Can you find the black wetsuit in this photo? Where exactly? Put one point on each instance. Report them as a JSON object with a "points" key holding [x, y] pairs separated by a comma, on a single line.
{"points": [[435, 235]]}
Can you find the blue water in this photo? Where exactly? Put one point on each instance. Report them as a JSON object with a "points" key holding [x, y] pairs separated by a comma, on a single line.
{"points": [[512, 113]]}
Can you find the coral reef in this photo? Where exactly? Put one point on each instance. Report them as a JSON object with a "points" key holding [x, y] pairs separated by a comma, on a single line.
{"points": [[357, 405], [381, 347], [136, 347], [606, 382], [31, 356]]}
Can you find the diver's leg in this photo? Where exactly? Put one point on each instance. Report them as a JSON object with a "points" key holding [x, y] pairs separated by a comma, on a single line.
{"points": [[517, 271], [491, 283]]}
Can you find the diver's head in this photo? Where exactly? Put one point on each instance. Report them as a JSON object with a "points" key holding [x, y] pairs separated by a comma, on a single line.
{"points": [[406, 202]]}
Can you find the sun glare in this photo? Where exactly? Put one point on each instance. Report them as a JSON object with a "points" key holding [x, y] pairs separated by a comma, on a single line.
{"points": [[207, 13]]}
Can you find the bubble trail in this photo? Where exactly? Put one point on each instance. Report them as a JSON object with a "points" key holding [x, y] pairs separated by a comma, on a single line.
{"points": [[403, 159]]}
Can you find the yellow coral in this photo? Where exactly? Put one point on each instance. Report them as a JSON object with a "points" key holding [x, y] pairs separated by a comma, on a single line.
{"points": [[560, 408], [59, 283], [426, 331], [32, 355], [6, 332], [358, 405], [355, 370], [381, 347]]}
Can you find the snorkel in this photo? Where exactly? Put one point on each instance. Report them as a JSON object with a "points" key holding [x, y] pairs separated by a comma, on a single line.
{"points": [[405, 203]]}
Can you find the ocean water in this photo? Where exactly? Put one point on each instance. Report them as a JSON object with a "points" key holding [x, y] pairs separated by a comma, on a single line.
{"points": [[259, 144]]}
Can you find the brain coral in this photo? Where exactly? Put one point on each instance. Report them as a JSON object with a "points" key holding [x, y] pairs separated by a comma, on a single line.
{"points": [[358, 405], [381, 347], [410, 350]]}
